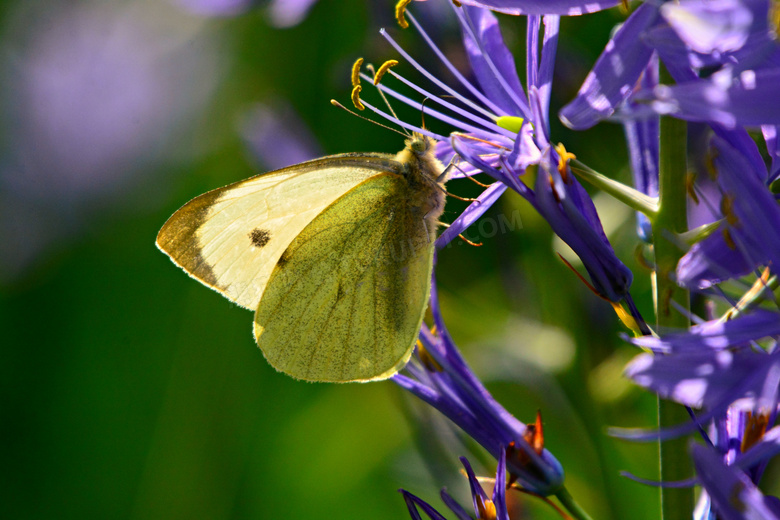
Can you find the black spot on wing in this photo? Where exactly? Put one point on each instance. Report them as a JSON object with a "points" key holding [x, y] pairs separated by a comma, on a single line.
{"points": [[259, 237]]}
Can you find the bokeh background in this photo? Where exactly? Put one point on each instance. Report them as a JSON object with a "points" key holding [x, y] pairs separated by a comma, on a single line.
{"points": [[129, 391]]}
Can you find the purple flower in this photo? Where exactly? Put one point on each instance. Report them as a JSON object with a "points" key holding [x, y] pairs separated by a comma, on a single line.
{"points": [[710, 379], [713, 367], [715, 335], [729, 97], [732, 493], [732, 35], [493, 507], [615, 73], [440, 376], [506, 131], [749, 236], [720, 27]]}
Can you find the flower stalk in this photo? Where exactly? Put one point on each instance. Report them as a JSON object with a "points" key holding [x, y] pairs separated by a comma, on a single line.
{"points": [[671, 219], [571, 505]]}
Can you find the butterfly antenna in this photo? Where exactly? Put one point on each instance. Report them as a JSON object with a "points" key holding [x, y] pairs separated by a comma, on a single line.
{"points": [[422, 113], [339, 105]]}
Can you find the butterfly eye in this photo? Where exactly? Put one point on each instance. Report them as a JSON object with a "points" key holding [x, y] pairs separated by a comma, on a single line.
{"points": [[418, 146]]}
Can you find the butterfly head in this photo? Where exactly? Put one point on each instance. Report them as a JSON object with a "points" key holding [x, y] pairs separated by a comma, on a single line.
{"points": [[420, 144]]}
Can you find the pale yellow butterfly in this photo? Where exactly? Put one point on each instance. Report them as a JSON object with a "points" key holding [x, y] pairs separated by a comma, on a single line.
{"points": [[334, 255]]}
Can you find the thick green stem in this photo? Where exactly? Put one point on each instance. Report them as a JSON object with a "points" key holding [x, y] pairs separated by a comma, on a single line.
{"points": [[571, 505], [671, 218]]}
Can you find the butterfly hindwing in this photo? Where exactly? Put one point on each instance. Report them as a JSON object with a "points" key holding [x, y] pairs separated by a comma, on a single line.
{"points": [[231, 238], [346, 298]]}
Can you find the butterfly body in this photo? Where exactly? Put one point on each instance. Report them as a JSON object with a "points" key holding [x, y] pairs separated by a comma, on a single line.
{"points": [[335, 255]]}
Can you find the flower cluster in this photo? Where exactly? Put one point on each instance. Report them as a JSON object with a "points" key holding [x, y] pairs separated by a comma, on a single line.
{"points": [[714, 63]]}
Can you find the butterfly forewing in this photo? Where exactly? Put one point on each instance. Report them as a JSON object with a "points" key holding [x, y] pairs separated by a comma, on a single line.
{"points": [[345, 300], [230, 239]]}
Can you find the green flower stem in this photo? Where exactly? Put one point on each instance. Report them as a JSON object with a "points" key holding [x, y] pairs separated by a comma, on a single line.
{"points": [[571, 505], [671, 219], [632, 198]]}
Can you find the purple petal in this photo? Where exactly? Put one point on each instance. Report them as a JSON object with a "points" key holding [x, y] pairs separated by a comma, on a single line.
{"points": [[714, 26], [728, 31], [478, 495], [456, 508], [707, 379], [572, 216], [770, 137], [642, 136], [716, 335], [547, 64], [762, 451], [678, 58], [615, 73], [710, 262], [499, 488], [732, 493], [753, 225], [492, 63], [539, 7], [475, 210], [727, 98], [413, 502]]}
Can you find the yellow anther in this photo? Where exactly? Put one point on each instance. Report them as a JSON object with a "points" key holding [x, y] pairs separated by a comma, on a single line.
{"points": [[774, 17], [690, 181], [487, 509], [384, 68], [627, 319], [754, 430], [729, 241], [400, 11], [709, 163], [356, 97], [456, 3], [431, 365], [356, 72], [727, 208], [511, 123], [563, 159]]}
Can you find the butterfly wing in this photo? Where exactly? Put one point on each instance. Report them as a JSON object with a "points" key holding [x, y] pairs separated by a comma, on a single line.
{"points": [[231, 238], [346, 299]]}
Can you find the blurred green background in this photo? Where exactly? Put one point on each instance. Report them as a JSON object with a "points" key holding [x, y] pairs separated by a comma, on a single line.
{"points": [[131, 391]]}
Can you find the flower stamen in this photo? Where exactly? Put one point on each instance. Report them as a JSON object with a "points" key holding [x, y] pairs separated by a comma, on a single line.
{"points": [[356, 97], [356, 72], [400, 11], [563, 161], [755, 428], [430, 364]]}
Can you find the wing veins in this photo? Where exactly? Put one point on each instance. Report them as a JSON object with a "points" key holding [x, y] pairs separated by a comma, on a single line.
{"points": [[356, 225]]}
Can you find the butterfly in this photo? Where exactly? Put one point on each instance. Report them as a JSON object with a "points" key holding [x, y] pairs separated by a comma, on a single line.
{"points": [[334, 255]]}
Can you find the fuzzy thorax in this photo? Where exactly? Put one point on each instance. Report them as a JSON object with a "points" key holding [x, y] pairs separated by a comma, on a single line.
{"points": [[422, 171]]}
